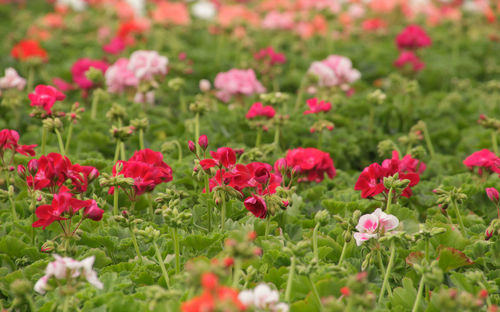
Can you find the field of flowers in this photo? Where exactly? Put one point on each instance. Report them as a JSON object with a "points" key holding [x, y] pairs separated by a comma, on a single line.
{"points": [[239, 155]]}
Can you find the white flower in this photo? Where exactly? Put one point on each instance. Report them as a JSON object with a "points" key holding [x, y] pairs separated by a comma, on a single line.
{"points": [[370, 225], [203, 9], [138, 6], [263, 297], [41, 285], [246, 297], [12, 80], [77, 5]]}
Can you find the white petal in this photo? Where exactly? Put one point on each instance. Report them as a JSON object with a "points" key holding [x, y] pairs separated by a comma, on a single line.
{"points": [[367, 223], [389, 222], [362, 237], [246, 297], [41, 284]]}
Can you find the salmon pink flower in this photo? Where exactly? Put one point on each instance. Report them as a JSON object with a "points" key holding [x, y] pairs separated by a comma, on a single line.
{"points": [[316, 106], [373, 225], [413, 37], [279, 20], [45, 97], [27, 50], [175, 13], [258, 110]]}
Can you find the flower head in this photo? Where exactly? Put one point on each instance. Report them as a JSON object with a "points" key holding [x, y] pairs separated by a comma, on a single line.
{"points": [[45, 96], [145, 65], [316, 106], [237, 82], [413, 37], [373, 225], [12, 80], [27, 50], [259, 110], [81, 66]]}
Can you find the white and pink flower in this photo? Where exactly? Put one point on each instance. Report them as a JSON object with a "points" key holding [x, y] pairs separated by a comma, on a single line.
{"points": [[263, 297], [237, 81], [373, 225], [145, 65], [119, 77], [12, 80], [335, 70]]}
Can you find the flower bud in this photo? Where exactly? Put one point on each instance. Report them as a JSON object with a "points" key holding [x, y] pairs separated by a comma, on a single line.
{"points": [[48, 246], [345, 291], [205, 85], [33, 166], [21, 171], [203, 141], [191, 146], [93, 212], [228, 262], [483, 294], [492, 194]]}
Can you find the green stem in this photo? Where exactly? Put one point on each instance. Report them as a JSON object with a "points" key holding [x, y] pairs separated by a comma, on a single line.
{"points": [[372, 119], [459, 217], [387, 272], [117, 151], [494, 141], [428, 141], [44, 139], [179, 149], [66, 303], [209, 209], [13, 208], [389, 202], [141, 139], [33, 217], [122, 150], [197, 131], [419, 294], [320, 139], [277, 137], [31, 78], [162, 265], [95, 102], [237, 272], [342, 254], [150, 205], [268, 222], [315, 293], [69, 135], [177, 251], [136, 246], [315, 242], [427, 255], [60, 141], [382, 269], [183, 100], [31, 304], [289, 282], [300, 93], [259, 137], [115, 201], [223, 212]]}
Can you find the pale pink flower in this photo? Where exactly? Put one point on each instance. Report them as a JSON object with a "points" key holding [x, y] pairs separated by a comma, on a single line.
{"points": [[237, 81], [263, 297], [147, 64], [12, 80], [335, 70], [119, 78], [371, 225], [278, 20], [205, 85]]}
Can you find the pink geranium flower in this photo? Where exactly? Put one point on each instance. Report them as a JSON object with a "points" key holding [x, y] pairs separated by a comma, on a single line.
{"points": [[413, 37], [81, 66], [373, 225], [12, 80], [145, 65], [316, 106], [45, 97], [335, 70], [119, 78], [237, 82], [410, 60], [258, 110]]}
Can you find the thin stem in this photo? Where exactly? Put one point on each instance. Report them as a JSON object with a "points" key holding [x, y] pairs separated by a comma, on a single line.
{"points": [[259, 137], [342, 254], [66, 303], [44, 139], [31, 77], [209, 209], [150, 205], [459, 217], [237, 272], [419, 294], [315, 293], [315, 242], [289, 282], [141, 139], [115, 201], [428, 141], [300, 93], [182, 100], [177, 250], [389, 202], [268, 223], [494, 141], [136, 246], [60, 141], [13, 208], [95, 102], [117, 151], [197, 131], [387, 272], [382, 269], [320, 139], [162, 265], [277, 137], [427, 255], [122, 150], [223, 212], [68, 136], [33, 217]]}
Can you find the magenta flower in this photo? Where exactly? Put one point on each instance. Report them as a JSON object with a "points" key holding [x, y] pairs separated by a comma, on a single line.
{"points": [[81, 66], [115, 46], [258, 110], [45, 97], [409, 59], [316, 106], [413, 37], [483, 159]]}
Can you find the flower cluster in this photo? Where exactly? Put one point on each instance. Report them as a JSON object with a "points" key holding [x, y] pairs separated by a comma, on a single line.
{"points": [[316, 106], [237, 82], [27, 50], [80, 68], [66, 269], [335, 70], [45, 97], [147, 169], [409, 41], [9, 140], [374, 225], [483, 160], [371, 180], [264, 298], [270, 56], [259, 110], [309, 164], [12, 80], [214, 297]]}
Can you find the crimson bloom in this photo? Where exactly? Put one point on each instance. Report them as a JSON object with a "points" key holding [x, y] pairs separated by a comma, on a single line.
{"points": [[371, 179], [28, 49], [224, 156], [63, 207], [45, 97], [272, 57], [413, 37], [256, 205], [483, 160], [310, 163], [9, 141], [81, 66], [316, 106], [409, 59], [259, 110]]}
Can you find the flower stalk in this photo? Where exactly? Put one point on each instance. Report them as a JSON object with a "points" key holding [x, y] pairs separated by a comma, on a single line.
{"points": [[387, 272]]}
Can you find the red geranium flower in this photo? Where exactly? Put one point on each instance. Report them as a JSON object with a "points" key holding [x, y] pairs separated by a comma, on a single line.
{"points": [[316, 106], [28, 49], [63, 206], [45, 97], [9, 141], [225, 156], [256, 205], [310, 163]]}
